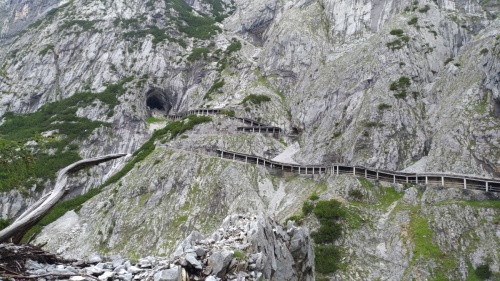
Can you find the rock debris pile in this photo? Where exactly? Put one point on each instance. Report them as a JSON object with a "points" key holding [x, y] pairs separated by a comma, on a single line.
{"points": [[244, 248]]}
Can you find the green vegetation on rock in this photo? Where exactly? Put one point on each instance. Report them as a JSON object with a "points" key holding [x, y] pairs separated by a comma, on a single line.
{"points": [[400, 86], [170, 131], [234, 47], [218, 84], [54, 130], [4, 223], [196, 26], [255, 99], [198, 54], [15, 165], [327, 255]]}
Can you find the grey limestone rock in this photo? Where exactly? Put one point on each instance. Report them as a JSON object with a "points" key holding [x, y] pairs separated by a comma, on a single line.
{"points": [[172, 274], [219, 262], [191, 259]]}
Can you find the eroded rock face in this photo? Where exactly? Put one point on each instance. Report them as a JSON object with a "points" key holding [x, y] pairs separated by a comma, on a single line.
{"points": [[17, 15]]}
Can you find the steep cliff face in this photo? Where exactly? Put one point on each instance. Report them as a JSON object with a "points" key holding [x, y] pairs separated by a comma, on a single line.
{"points": [[390, 84], [17, 15]]}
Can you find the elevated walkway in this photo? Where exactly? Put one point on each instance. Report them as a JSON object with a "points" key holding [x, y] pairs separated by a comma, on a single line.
{"points": [[435, 179]]}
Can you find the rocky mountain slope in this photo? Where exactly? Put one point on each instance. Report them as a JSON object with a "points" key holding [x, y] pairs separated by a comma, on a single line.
{"points": [[390, 84]]}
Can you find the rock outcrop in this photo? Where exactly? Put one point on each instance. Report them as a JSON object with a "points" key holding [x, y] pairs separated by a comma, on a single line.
{"points": [[243, 248]]}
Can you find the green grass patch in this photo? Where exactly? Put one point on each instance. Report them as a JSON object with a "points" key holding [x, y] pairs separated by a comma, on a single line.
{"points": [[422, 238], [152, 119], [365, 183], [495, 204], [387, 196], [426, 249], [239, 256]]}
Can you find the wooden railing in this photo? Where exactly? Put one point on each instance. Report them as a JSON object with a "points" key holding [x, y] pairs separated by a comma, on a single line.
{"points": [[254, 126], [438, 179]]}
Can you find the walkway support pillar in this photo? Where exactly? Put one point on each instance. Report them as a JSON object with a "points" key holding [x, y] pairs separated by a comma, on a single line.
{"points": [[426, 180], [393, 178], [465, 183], [442, 181], [487, 187], [353, 171], [222, 154]]}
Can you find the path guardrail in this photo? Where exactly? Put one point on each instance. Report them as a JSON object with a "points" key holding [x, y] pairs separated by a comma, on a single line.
{"points": [[437, 179]]}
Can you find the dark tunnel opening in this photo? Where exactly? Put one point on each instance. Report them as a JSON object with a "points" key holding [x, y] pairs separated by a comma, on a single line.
{"points": [[158, 102], [154, 103]]}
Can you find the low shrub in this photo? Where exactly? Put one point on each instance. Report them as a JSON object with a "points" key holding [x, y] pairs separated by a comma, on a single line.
{"points": [[234, 47], [255, 99], [483, 272], [448, 60], [383, 106], [328, 232], [424, 9], [314, 197], [4, 223], [327, 258], [218, 84], [198, 54], [226, 112], [397, 32], [172, 130], [413, 21], [329, 210], [356, 194], [307, 208]]}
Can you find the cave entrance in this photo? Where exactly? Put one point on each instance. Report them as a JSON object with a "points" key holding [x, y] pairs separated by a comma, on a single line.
{"points": [[158, 102], [154, 103]]}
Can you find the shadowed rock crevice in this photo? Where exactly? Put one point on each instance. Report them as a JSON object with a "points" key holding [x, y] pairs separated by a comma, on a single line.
{"points": [[496, 107], [160, 101]]}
